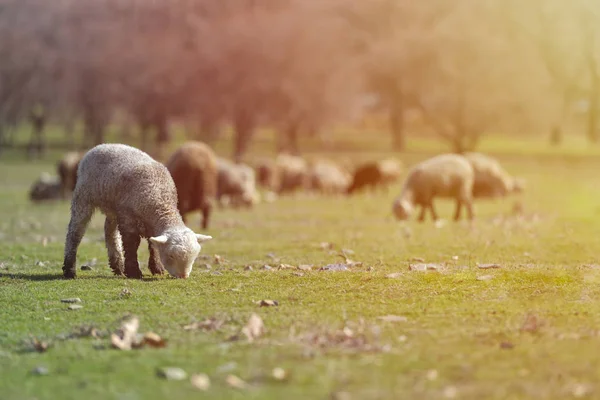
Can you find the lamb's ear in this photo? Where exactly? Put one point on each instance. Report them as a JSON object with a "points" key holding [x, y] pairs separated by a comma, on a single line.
{"points": [[202, 238], [162, 239]]}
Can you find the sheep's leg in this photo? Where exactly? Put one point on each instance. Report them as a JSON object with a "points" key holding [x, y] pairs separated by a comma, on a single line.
{"points": [[114, 246], [131, 242], [154, 264], [433, 213], [206, 211], [81, 213], [422, 213], [458, 210], [469, 206]]}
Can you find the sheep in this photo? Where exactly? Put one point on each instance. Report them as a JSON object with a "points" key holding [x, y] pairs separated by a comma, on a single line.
{"points": [[491, 180], [139, 199], [375, 174], [329, 178], [45, 188], [237, 182], [194, 170], [446, 175], [267, 174], [292, 172], [67, 171]]}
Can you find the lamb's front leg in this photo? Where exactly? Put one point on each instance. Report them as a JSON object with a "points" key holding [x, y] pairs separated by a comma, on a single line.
{"points": [[114, 246], [131, 242], [154, 264]]}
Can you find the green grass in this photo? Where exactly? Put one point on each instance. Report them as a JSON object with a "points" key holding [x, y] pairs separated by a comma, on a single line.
{"points": [[455, 324]]}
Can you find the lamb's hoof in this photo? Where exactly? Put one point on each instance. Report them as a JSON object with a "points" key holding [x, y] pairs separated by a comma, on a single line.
{"points": [[69, 274], [134, 274]]}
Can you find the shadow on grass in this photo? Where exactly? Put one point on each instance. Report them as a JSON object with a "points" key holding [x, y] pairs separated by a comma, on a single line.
{"points": [[59, 276]]}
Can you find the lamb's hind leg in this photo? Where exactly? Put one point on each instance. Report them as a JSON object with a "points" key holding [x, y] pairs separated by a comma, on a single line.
{"points": [[81, 213], [114, 246], [131, 242], [154, 264]]}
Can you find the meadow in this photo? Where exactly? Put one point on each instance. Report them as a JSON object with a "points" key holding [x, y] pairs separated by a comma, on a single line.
{"points": [[529, 328]]}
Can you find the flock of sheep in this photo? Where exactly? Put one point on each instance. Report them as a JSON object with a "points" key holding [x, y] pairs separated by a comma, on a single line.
{"points": [[142, 198]]}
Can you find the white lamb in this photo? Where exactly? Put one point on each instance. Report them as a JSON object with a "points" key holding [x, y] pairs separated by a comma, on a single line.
{"points": [[139, 199], [236, 183], [446, 175]]}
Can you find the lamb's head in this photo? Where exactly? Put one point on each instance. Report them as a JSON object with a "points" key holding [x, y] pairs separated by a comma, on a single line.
{"points": [[402, 209], [178, 249]]}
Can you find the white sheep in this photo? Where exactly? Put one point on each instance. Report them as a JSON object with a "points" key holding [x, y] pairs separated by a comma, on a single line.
{"points": [[328, 178], [491, 180], [237, 183], [446, 175], [139, 199]]}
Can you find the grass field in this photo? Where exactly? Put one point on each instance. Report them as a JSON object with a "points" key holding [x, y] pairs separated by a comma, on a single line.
{"points": [[530, 329]]}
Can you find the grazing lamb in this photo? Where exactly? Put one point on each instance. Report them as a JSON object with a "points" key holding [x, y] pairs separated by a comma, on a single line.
{"points": [[292, 173], [139, 199], [46, 188], [491, 180], [194, 170], [237, 183], [328, 178], [446, 175], [375, 174], [67, 171]]}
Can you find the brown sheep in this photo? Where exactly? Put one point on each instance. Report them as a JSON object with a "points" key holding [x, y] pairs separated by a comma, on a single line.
{"points": [[194, 170], [67, 171], [375, 174]]}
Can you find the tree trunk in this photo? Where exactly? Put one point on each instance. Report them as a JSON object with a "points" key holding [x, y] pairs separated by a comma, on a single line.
{"points": [[397, 123], [244, 130], [556, 136], [592, 127], [292, 135]]}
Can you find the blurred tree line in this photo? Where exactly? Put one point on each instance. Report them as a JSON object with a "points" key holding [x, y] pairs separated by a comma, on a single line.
{"points": [[464, 67]]}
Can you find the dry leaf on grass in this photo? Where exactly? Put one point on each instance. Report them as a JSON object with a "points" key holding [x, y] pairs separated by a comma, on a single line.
{"points": [[125, 336], [325, 246], [125, 293], [39, 345], [334, 267], [488, 266], [254, 328], [394, 275], [417, 259], [531, 324], [235, 382], [279, 374], [209, 324], [485, 277], [305, 267], [507, 345], [71, 300], [153, 340], [425, 267], [393, 318], [200, 381], [267, 303], [75, 307], [285, 266], [172, 373]]}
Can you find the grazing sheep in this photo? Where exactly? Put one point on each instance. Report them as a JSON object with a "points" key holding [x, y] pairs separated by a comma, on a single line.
{"points": [[328, 178], [67, 171], [139, 198], [267, 174], [491, 180], [237, 183], [292, 172], [46, 188], [194, 170], [446, 175], [375, 174]]}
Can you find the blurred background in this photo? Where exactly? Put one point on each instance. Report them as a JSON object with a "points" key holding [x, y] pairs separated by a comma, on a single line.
{"points": [[251, 76]]}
